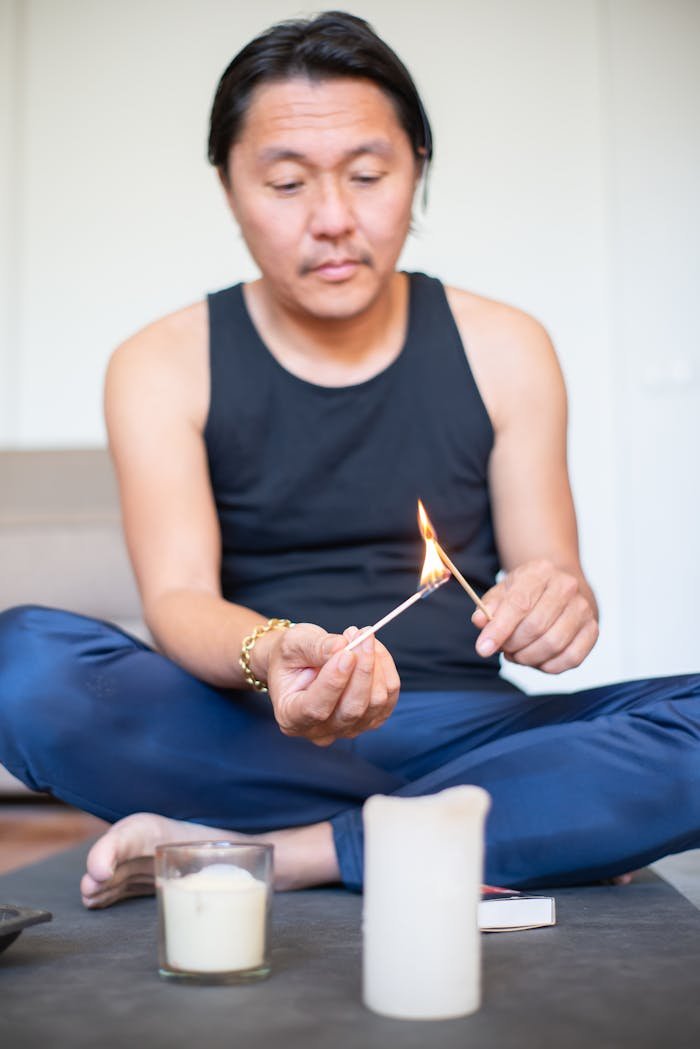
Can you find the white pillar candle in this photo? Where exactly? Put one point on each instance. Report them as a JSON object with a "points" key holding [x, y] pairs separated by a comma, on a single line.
{"points": [[214, 920], [422, 886]]}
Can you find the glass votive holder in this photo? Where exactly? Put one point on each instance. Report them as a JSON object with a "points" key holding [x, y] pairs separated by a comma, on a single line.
{"points": [[214, 902]]}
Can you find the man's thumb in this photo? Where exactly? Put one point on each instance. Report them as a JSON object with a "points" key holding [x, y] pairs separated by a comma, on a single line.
{"points": [[327, 646], [310, 646]]}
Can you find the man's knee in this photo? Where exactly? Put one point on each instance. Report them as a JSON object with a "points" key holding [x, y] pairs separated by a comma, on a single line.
{"points": [[21, 619], [20, 627], [38, 626], [25, 626], [49, 677], [38, 655], [30, 636], [20, 630]]}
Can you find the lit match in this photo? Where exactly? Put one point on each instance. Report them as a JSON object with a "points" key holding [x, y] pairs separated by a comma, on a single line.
{"points": [[433, 575], [430, 536], [418, 596]]}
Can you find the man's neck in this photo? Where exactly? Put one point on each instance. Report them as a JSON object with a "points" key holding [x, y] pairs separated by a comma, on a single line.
{"points": [[332, 351]]}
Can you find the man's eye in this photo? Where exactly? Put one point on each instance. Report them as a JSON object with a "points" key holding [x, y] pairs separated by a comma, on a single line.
{"points": [[286, 187], [366, 179]]}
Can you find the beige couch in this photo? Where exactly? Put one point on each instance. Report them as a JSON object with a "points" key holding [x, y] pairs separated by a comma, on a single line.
{"points": [[60, 539]]}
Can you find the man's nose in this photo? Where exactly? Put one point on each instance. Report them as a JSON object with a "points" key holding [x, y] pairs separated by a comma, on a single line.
{"points": [[332, 214]]}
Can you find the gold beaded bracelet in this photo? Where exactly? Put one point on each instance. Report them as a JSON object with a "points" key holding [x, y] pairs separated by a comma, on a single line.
{"points": [[249, 644]]}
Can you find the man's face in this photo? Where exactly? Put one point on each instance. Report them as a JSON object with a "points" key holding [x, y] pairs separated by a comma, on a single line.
{"points": [[321, 182]]}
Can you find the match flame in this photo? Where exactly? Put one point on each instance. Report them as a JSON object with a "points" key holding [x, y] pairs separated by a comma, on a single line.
{"points": [[434, 571]]}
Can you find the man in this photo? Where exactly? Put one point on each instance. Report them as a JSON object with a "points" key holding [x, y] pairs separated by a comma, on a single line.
{"points": [[271, 444]]}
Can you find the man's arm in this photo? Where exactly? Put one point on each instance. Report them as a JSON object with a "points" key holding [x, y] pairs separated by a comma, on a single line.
{"points": [[544, 612], [156, 402]]}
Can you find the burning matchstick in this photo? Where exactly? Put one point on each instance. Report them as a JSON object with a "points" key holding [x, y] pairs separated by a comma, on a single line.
{"points": [[429, 533], [418, 596], [432, 576], [437, 569], [462, 581]]}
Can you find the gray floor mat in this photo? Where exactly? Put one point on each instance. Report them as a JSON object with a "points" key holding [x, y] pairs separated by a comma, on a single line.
{"points": [[621, 969]]}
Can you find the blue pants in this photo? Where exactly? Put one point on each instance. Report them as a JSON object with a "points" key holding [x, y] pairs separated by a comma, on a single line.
{"points": [[584, 785]]}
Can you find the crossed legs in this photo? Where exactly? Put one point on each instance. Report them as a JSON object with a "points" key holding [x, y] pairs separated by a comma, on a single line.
{"points": [[585, 786]]}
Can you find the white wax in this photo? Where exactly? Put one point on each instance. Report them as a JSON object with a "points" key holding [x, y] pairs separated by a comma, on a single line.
{"points": [[214, 920], [423, 875]]}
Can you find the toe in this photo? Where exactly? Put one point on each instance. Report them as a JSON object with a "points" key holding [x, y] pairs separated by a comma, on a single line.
{"points": [[134, 835], [101, 859], [88, 886]]}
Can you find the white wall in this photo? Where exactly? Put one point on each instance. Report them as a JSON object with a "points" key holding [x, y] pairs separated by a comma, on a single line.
{"points": [[567, 157], [10, 81], [653, 159]]}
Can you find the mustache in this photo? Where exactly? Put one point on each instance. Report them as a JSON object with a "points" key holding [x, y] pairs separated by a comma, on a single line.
{"points": [[363, 258]]}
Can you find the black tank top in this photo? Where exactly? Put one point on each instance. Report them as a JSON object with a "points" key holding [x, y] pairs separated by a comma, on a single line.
{"points": [[316, 487]]}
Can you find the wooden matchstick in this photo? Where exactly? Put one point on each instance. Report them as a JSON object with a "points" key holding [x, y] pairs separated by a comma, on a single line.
{"points": [[423, 592], [461, 580]]}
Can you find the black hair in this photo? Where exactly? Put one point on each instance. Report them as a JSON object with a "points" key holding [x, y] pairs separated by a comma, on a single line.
{"points": [[331, 44]]}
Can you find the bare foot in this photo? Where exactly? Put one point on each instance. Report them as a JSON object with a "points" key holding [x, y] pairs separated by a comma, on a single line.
{"points": [[120, 863]]}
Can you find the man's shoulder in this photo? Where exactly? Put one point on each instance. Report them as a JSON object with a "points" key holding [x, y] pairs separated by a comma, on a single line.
{"points": [[510, 352], [169, 355], [179, 334], [495, 323]]}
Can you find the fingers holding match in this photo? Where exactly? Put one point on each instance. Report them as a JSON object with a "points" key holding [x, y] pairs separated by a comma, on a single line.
{"points": [[370, 694], [541, 619], [349, 715], [322, 690]]}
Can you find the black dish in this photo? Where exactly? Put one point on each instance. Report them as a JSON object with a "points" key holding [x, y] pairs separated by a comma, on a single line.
{"points": [[14, 919]]}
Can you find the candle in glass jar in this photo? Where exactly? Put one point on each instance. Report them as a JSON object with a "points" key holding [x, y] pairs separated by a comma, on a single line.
{"points": [[214, 920], [422, 886]]}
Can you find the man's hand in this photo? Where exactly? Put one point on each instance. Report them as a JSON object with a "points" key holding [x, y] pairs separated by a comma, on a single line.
{"points": [[320, 691], [542, 617]]}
